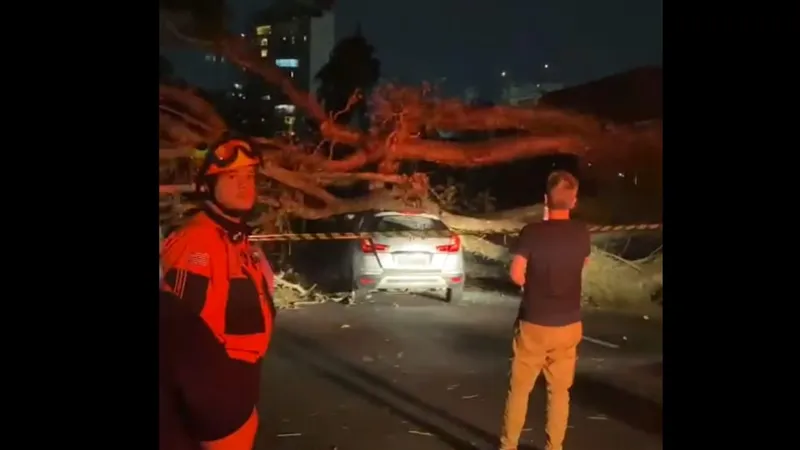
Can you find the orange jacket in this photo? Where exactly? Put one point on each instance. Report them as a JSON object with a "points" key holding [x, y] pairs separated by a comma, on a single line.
{"points": [[210, 265]]}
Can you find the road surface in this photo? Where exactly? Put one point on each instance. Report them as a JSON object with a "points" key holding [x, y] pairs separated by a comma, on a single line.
{"points": [[411, 373]]}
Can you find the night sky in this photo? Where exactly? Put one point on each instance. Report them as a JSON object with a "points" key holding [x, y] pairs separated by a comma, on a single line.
{"points": [[472, 42]]}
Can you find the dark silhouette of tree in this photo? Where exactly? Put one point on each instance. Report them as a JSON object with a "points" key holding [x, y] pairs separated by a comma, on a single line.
{"points": [[352, 67]]}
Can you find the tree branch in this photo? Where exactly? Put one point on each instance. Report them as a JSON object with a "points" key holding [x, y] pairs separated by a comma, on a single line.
{"points": [[298, 181], [398, 116]]}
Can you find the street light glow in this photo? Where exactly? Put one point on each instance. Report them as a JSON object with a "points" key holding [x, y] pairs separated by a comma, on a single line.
{"points": [[503, 73], [546, 66]]}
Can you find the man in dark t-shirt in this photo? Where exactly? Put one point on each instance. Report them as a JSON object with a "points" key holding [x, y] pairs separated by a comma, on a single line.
{"points": [[548, 264], [202, 403]]}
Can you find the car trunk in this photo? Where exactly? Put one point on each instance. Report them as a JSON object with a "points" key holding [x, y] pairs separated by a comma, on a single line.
{"points": [[412, 250]]}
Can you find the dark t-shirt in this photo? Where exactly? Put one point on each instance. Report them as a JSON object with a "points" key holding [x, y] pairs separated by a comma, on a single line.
{"points": [[204, 395], [556, 251]]}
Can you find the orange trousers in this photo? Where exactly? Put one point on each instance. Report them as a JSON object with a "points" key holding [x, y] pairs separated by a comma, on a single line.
{"points": [[552, 350], [241, 439]]}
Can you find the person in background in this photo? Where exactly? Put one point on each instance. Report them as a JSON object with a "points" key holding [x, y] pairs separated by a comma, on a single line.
{"points": [[215, 272], [548, 263]]}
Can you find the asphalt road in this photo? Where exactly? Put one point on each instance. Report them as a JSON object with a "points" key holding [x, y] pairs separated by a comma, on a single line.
{"points": [[412, 373]]}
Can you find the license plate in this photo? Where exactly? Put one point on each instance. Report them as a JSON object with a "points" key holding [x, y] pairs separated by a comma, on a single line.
{"points": [[413, 260]]}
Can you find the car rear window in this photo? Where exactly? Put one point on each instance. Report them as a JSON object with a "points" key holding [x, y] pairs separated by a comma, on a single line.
{"points": [[406, 223]]}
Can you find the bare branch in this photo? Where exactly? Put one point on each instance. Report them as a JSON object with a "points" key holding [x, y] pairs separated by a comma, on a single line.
{"points": [[298, 181]]}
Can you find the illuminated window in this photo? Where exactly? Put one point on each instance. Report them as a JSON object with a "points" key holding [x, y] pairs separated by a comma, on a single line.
{"points": [[288, 62], [264, 42], [305, 38], [288, 120], [285, 108], [292, 73], [263, 30], [266, 97], [292, 39], [264, 53]]}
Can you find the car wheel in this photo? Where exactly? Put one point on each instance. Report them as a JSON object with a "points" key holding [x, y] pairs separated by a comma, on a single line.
{"points": [[455, 294]]}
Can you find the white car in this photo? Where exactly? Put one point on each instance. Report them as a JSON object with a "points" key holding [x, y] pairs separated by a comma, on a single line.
{"points": [[412, 262]]}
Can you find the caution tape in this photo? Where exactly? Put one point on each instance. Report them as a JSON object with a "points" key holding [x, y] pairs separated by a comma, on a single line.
{"points": [[613, 228], [285, 237]]}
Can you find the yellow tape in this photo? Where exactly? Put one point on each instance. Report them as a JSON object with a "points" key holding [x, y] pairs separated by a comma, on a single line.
{"points": [[290, 237]]}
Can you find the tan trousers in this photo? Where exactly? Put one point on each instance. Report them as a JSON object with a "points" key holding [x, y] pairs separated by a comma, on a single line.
{"points": [[241, 439], [536, 349]]}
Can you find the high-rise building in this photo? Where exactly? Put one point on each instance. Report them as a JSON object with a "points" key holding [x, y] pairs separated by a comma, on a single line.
{"points": [[296, 36]]}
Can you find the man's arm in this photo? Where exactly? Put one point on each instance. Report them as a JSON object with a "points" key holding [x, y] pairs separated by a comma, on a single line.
{"points": [[187, 269], [521, 253], [587, 247], [266, 269], [518, 267]]}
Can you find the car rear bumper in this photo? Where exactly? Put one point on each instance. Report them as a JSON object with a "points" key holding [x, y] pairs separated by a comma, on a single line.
{"points": [[412, 281]]}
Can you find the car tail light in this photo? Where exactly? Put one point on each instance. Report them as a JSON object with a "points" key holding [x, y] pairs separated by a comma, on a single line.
{"points": [[452, 247], [367, 246]]}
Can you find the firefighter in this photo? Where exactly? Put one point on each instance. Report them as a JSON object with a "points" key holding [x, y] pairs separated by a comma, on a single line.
{"points": [[190, 359], [210, 265]]}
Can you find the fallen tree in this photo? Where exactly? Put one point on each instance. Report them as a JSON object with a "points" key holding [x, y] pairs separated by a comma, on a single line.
{"points": [[400, 116], [299, 174]]}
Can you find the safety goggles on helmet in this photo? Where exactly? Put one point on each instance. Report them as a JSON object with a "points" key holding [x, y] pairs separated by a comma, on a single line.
{"points": [[229, 155]]}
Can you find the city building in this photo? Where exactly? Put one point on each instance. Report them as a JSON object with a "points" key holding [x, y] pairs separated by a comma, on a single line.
{"points": [[297, 36]]}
